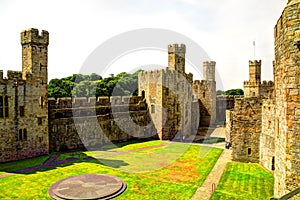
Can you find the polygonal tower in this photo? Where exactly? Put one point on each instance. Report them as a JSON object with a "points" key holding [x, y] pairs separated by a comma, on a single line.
{"points": [[35, 54], [287, 100], [35, 73], [252, 87], [176, 57]]}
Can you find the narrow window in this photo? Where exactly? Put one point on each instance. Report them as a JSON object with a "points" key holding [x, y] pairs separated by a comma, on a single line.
{"points": [[20, 135], [25, 134], [143, 94], [203, 94], [1, 106], [22, 111], [6, 105], [273, 163], [249, 151], [41, 101], [152, 109], [40, 121]]}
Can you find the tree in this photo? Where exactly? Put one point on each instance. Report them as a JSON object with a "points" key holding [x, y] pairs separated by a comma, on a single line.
{"points": [[235, 92], [220, 92], [79, 85]]}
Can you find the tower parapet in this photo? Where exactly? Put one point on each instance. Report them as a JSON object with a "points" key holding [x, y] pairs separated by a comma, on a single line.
{"points": [[32, 36]]}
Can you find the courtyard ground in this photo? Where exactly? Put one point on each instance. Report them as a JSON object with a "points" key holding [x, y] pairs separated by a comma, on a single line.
{"points": [[151, 170]]}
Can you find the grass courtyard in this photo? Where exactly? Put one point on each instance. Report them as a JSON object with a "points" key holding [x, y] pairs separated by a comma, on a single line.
{"points": [[244, 181], [151, 170], [171, 171]]}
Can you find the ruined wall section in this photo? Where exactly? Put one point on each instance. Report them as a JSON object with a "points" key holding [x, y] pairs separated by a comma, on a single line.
{"points": [[89, 122], [245, 126], [267, 139], [287, 93]]}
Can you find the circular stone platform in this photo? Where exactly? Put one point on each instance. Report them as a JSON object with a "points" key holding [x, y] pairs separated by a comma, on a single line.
{"points": [[87, 186]]}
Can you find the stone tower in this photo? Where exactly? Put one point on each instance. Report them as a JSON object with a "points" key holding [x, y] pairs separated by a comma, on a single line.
{"points": [[287, 100], [35, 54], [168, 93], [176, 57], [252, 87], [205, 92], [24, 124], [209, 96]]}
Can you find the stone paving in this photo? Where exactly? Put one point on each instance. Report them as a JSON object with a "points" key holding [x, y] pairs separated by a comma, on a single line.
{"points": [[211, 182], [87, 186]]}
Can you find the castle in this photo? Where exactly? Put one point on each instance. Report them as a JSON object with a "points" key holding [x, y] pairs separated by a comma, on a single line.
{"points": [[264, 126], [33, 125]]}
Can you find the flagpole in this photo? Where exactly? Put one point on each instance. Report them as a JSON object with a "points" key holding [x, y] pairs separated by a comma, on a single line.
{"points": [[254, 48]]}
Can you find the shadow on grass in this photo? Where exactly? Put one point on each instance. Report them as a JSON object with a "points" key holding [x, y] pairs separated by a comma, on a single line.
{"points": [[118, 144], [17, 167], [209, 140]]}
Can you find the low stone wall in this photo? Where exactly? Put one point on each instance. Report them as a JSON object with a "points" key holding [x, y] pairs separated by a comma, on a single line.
{"points": [[91, 127]]}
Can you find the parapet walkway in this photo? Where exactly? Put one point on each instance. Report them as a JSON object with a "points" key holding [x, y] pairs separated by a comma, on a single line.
{"points": [[211, 182]]}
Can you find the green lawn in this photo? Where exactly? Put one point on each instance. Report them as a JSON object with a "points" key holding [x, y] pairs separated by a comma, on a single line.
{"points": [[21, 164], [244, 181], [174, 171]]}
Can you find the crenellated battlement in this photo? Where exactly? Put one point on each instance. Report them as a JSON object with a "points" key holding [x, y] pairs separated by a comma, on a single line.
{"points": [[255, 62], [267, 83], [14, 75], [176, 48], [92, 101], [32, 36], [11, 76], [252, 83]]}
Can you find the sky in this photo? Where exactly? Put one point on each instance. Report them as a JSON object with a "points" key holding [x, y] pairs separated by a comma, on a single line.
{"points": [[225, 29]]}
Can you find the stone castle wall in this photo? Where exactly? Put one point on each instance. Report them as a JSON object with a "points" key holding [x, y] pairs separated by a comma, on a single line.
{"points": [[267, 139], [89, 123], [244, 125], [287, 100]]}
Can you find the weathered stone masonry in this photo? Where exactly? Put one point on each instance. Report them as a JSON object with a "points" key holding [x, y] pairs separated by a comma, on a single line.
{"points": [[90, 122], [277, 146], [23, 102]]}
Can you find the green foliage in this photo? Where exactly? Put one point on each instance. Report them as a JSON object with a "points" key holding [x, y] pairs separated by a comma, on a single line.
{"points": [[235, 92], [245, 181], [220, 92], [79, 85]]}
